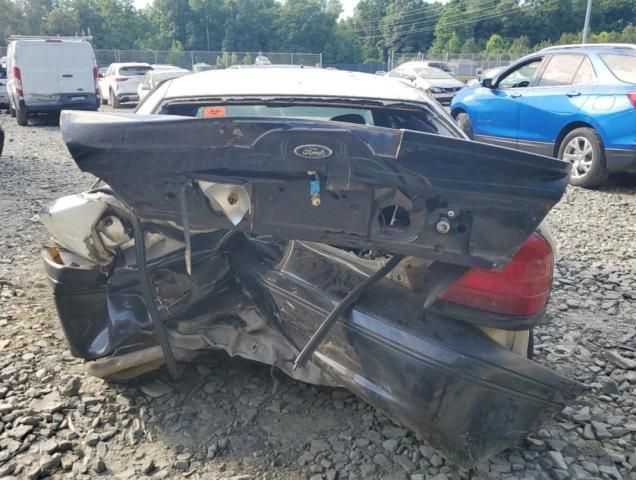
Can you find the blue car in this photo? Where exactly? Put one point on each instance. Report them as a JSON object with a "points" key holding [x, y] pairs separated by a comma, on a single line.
{"points": [[573, 102]]}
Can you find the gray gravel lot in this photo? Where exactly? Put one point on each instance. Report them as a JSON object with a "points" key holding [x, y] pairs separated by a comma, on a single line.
{"points": [[240, 420]]}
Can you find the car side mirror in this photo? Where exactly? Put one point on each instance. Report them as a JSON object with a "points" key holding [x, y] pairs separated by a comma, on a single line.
{"points": [[411, 78], [487, 83]]}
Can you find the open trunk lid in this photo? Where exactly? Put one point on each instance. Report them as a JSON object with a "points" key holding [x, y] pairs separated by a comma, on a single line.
{"points": [[405, 192]]}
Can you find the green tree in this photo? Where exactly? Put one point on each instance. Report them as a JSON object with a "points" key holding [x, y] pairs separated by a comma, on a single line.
{"points": [[542, 45], [12, 20], [568, 38], [250, 25], [61, 22], [407, 25], [496, 44], [307, 25], [614, 15], [206, 27], [344, 46], [628, 35], [366, 20], [453, 45], [34, 12], [605, 37], [520, 46], [447, 26], [469, 46]]}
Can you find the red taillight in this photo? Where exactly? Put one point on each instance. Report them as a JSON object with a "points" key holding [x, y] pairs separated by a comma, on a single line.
{"points": [[521, 287], [17, 78], [96, 79], [632, 98]]}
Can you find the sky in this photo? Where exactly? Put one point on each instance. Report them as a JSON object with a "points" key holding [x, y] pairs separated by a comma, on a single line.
{"points": [[347, 5]]}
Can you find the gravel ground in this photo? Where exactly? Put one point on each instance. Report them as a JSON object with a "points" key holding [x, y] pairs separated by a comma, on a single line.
{"points": [[240, 420]]}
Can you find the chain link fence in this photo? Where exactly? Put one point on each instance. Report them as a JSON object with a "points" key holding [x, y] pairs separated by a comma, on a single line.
{"points": [[462, 65], [190, 58], [215, 59]]}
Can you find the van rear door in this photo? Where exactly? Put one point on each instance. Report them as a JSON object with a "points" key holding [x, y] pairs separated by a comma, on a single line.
{"points": [[38, 64], [75, 63]]}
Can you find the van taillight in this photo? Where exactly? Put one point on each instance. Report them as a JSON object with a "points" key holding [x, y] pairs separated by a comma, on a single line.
{"points": [[521, 287], [96, 79], [632, 98], [17, 78]]}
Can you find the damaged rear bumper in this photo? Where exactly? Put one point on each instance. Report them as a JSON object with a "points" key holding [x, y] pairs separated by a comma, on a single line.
{"points": [[466, 394]]}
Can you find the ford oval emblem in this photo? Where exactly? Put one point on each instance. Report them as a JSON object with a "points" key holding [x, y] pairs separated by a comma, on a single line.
{"points": [[312, 151]]}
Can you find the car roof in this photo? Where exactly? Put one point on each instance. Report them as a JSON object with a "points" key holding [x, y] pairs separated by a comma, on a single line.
{"points": [[292, 82], [591, 47]]}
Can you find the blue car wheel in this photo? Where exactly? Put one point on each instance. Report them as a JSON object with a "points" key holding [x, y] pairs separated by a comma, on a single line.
{"points": [[463, 120], [583, 148]]}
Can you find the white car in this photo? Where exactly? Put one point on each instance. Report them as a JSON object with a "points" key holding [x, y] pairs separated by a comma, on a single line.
{"points": [[119, 84], [50, 74], [158, 75], [434, 81]]}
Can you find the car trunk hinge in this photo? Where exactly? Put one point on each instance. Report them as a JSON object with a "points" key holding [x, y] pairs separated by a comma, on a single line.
{"points": [[348, 301]]}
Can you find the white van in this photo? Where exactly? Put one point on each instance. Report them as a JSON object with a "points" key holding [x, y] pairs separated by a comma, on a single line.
{"points": [[50, 74]]}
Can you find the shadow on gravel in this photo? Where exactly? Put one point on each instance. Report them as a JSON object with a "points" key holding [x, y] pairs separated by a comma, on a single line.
{"points": [[232, 410], [625, 182]]}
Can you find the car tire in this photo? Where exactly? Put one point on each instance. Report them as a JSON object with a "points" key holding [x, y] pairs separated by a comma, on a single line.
{"points": [[21, 117], [463, 120], [583, 148], [113, 100]]}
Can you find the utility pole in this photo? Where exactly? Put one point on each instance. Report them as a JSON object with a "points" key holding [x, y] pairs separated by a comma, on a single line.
{"points": [[586, 27]]}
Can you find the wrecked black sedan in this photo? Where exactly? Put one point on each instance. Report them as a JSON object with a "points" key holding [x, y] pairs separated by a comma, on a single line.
{"points": [[335, 225]]}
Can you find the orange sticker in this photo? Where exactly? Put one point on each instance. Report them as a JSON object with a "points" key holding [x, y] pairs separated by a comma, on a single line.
{"points": [[213, 112]]}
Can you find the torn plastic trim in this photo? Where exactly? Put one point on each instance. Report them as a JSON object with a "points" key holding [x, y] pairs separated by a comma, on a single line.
{"points": [[80, 224]]}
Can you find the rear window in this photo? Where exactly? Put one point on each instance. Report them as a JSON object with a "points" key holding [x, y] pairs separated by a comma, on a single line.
{"points": [[622, 66], [132, 71], [350, 115], [432, 73], [415, 119]]}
